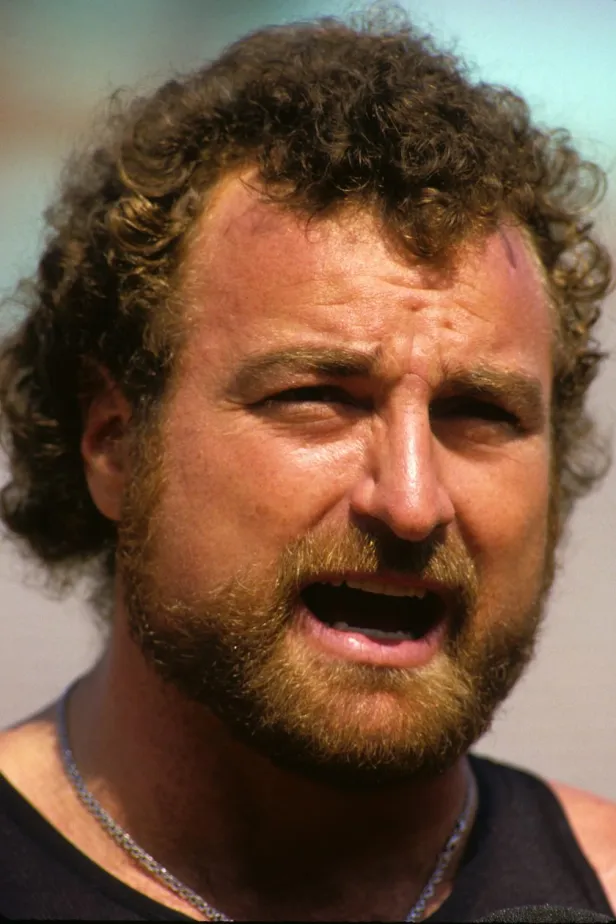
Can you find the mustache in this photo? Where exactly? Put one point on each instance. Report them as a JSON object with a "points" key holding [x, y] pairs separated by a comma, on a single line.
{"points": [[445, 560]]}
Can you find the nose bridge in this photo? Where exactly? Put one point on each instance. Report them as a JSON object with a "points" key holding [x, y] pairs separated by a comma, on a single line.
{"points": [[403, 486]]}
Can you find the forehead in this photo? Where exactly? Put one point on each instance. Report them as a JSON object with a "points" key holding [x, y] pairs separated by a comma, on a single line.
{"points": [[256, 269], [238, 214]]}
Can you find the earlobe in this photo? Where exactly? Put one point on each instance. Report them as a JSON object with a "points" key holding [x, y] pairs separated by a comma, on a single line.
{"points": [[103, 448]]}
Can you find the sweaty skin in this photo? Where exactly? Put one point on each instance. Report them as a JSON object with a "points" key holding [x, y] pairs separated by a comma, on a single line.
{"points": [[265, 477], [246, 472]]}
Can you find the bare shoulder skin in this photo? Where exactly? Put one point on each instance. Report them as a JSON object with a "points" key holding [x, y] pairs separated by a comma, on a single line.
{"points": [[593, 820]]}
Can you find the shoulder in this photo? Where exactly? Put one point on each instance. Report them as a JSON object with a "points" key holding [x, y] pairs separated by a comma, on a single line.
{"points": [[27, 752], [593, 820]]}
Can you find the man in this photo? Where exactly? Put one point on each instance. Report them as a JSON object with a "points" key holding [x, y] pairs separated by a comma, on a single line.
{"points": [[302, 383]]}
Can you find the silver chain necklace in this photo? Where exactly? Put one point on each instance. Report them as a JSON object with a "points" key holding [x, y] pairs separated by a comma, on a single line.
{"points": [[159, 872]]}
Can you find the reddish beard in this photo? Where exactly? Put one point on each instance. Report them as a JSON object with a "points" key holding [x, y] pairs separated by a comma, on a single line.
{"points": [[233, 651]]}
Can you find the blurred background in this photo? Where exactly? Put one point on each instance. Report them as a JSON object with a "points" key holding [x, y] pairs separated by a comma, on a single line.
{"points": [[60, 59]]}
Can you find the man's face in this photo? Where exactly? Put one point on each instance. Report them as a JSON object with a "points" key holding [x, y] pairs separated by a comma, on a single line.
{"points": [[341, 549]]}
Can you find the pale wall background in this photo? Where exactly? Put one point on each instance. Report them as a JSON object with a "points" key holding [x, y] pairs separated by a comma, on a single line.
{"points": [[59, 59]]}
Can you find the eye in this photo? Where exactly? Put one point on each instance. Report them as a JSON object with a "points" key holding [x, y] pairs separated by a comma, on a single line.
{"points": [[314, 405], [308, 394], [463, 407]]}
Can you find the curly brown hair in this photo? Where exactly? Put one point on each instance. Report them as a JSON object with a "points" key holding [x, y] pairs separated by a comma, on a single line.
{"points": [[330, 114]]}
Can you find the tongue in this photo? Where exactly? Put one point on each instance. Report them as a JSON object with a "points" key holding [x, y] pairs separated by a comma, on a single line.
{"points": [[375, 615]]}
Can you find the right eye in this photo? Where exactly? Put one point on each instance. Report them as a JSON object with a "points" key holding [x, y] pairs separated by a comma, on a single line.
{"points": [[308, 394]]}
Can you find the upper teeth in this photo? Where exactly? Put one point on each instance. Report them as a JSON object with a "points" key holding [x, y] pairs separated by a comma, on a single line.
{"points": [[382, 587]]}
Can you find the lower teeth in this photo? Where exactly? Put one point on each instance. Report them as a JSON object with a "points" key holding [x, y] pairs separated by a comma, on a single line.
{"points": [[375, 634]]}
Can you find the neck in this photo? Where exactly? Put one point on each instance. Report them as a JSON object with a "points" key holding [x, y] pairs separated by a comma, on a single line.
{"points": [[255, 841]]}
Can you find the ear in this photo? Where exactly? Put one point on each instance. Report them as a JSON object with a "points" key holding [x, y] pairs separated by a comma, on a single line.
{"points": [[104, 447]]}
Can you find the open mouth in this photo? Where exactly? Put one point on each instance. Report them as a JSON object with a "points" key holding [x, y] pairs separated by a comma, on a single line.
{"points": [[380, 611]]}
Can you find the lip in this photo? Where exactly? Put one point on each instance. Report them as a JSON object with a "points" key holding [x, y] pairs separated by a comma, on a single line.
{"points": [[357, 647], [445, 592]]}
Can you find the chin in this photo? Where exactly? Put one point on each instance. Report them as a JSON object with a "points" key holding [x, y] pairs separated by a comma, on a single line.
{"points": [[373, 762], [362, 728]]}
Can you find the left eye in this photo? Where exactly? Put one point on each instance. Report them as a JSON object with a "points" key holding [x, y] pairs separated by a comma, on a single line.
{"points": [[474, 409]]}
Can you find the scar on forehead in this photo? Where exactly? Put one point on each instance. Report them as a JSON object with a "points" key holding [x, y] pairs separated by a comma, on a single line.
{"points": [[508, 247]]}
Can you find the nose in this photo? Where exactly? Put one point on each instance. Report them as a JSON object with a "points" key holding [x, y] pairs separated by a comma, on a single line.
{"points": [[401, 484]]}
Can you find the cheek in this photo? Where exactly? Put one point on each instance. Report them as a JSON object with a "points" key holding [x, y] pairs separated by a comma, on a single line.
{"points": [[503, 512], [505, 525], [237, 496]]}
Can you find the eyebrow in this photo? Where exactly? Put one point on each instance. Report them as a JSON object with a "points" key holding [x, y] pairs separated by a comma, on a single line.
{"points": [[337, 362], [518, 390]]}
